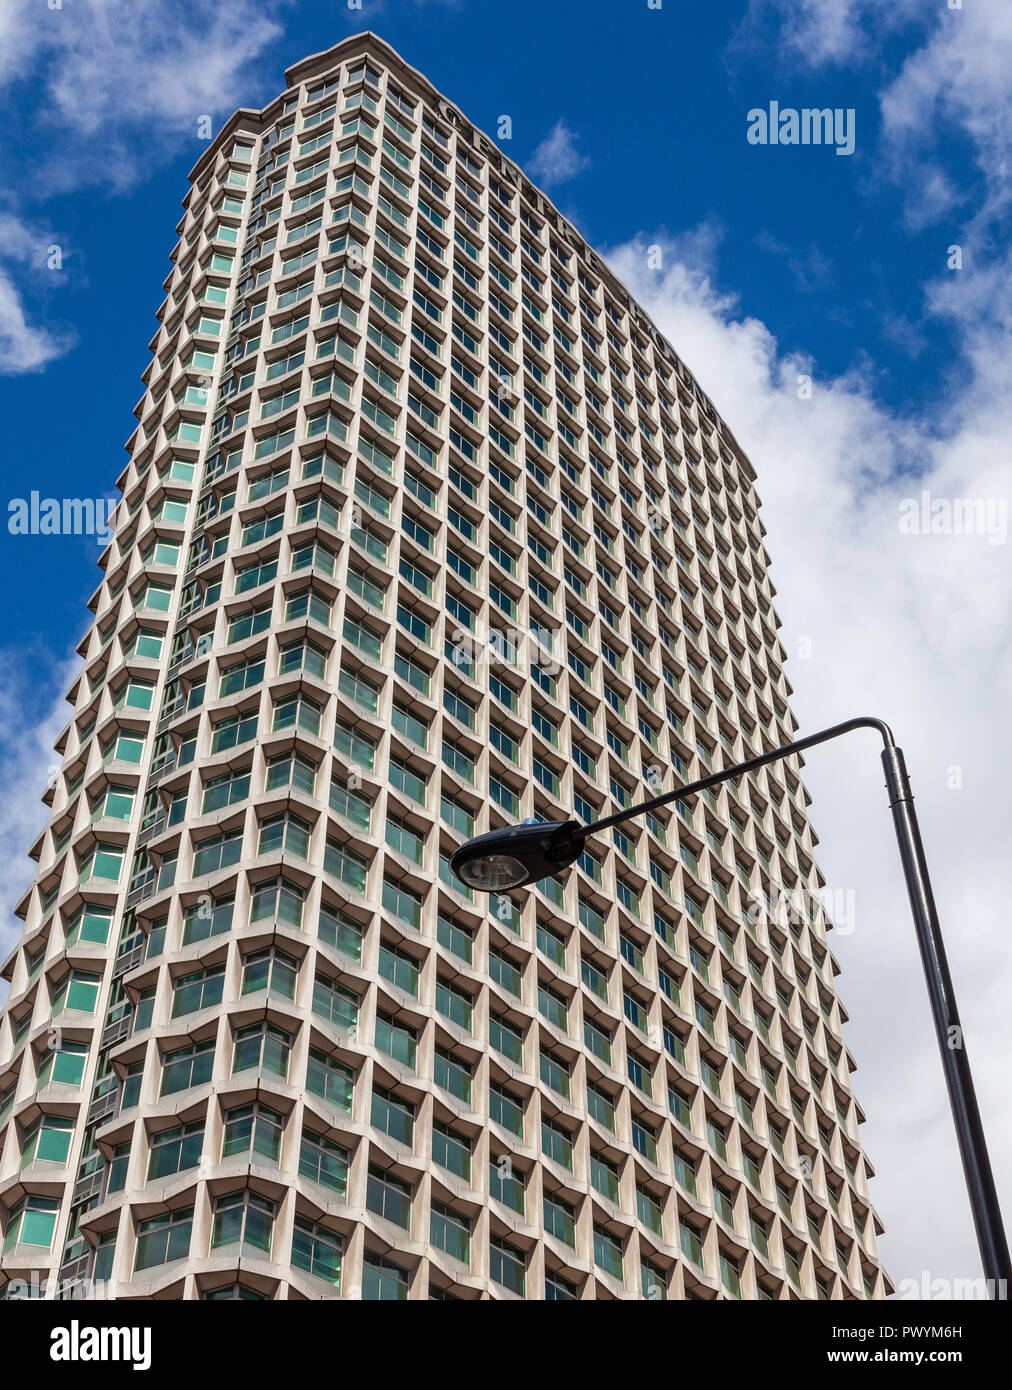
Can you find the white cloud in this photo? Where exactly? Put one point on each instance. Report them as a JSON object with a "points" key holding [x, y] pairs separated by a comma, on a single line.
{"points": [[556, 159], [115, 86], [118, 82], [115, 59], [956, 83], [27, 735], [953, 83], [24, 346], [813, 33], [910, 628]]}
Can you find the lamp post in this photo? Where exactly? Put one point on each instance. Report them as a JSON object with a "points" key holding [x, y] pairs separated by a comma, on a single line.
{"points": [[522, 854]]}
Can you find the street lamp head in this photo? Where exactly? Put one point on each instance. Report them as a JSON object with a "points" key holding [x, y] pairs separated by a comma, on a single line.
{"points": [[517, 855]]}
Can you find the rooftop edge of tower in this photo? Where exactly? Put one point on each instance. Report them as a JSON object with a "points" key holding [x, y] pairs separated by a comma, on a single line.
{"points": [[367, 42]]}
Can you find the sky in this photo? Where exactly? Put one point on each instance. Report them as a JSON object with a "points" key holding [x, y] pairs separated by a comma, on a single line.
{"points": [[848, 312]]}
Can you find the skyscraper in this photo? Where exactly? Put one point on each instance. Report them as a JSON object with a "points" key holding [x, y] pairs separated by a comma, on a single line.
{"points": [[425, 529]]}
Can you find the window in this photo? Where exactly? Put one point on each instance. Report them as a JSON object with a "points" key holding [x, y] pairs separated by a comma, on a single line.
{"points": [[506, 1039], [262, 1047], [174, 1150], [648, 1209], [297, 711], [398, 967], [334, 1003], [77, 990], [116, 803], [411, 783], [344, 864], [252, 1130], [103, 861], [330, 1079], [503, 972], [341, 931], [271, 970], [408, 724], [225, 790], [451, 1151], [291, 770], [217, 852], [229, 733], [555, 1073], [644, 1141], [553, 1007], [63, 1065], [653, 1282], [450, 1231], [604, 1176], [199, 990], [608, 1252], [454, 1004], [161, 1239], [559, 1218], [187, 1066], [600, 1107], [507, 1265], [317, 1250], [402, 902], [90, 923], [404, 839], [552, 944], [455, 938], [32, 1222], [104, 1255], [208, 917], [392, 1115], [383, 1281], [243, 1219], [557, 1144], [558, 1289], [47, 1140], [452, 1075], [730, 1275], [324, 1162], [388, 1197], [506, 1109], [759, 1233], [691, 1245], [397, 1040]]}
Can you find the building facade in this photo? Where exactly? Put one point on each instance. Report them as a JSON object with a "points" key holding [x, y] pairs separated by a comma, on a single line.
{"points": [[425, 529]]}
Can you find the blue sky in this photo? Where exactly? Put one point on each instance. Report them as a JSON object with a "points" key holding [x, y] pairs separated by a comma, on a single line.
{"points": [[777, 262], [813, 244]]}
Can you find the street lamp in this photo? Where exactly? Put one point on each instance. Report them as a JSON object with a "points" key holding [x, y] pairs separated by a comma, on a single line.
{"points": [[523, 854]]}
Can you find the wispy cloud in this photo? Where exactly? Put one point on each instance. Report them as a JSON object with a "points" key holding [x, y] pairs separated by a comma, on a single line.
{"points": [[26, 255], [120, 83], [24, 347], [956, 83], [909, 627], [814, 33], [113, 58], [106, 89], [33, 710], [812, 270], [953, 85], [557, 160]]}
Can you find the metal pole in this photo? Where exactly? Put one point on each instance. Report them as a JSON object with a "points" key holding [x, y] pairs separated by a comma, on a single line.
{"points": [[728, 774], [987, 1218]]}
